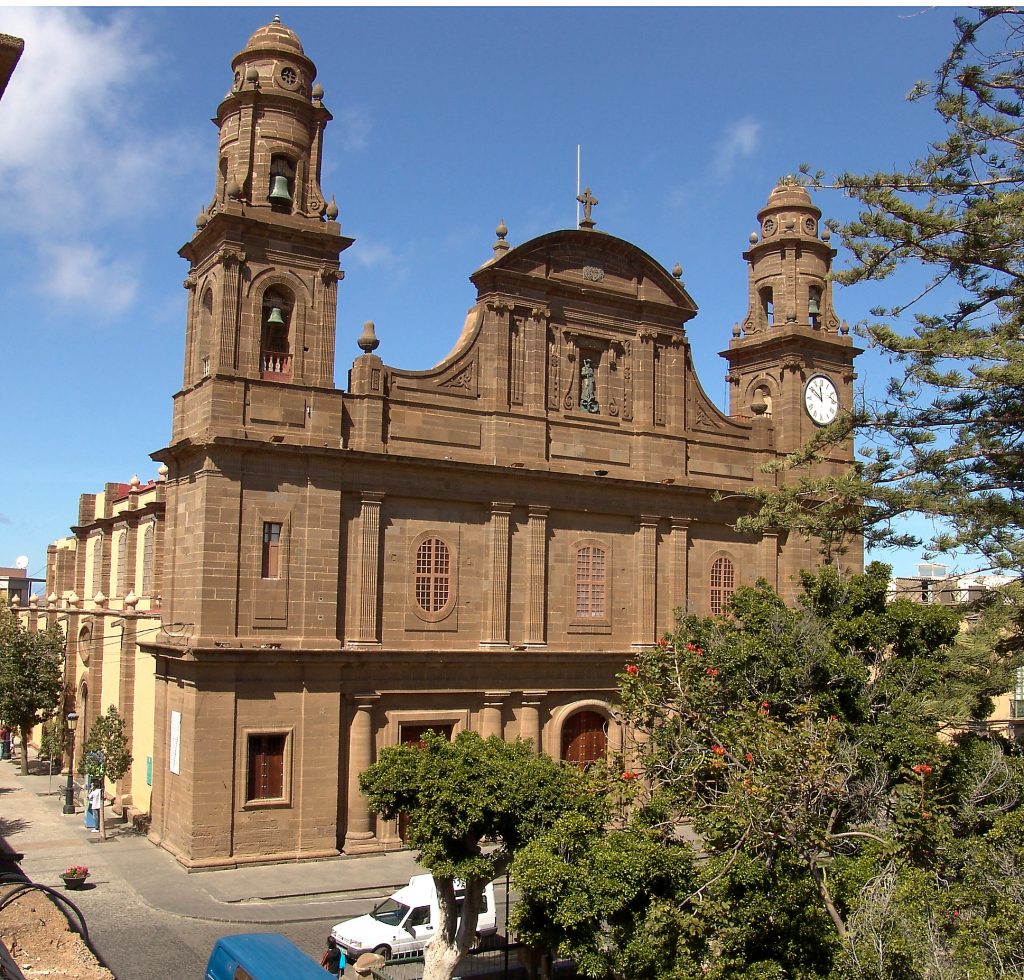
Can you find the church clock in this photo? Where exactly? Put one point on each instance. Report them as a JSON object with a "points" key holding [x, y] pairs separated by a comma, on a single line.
{"points": [[821, 399]]}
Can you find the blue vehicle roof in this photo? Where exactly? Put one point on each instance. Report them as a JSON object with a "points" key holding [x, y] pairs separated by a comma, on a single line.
{"points": [[269, 956]]}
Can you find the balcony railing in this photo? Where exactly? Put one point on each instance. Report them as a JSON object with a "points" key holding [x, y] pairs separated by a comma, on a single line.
{"points": [[275, 365]]}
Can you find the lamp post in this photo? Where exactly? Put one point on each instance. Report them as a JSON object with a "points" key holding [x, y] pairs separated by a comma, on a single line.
{"points": [[69, 800]]}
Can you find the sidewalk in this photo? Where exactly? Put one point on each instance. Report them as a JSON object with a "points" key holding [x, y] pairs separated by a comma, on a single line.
{"points": [[31, 822]]}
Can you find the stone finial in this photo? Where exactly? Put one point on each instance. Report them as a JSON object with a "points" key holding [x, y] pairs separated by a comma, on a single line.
{"points": [[501, 231], [759, 406], [51, 600], [826, 235], [15, 600], [317, 93], [277, 19], [677, 272], [252, 76], [100, 599], [161, 473], [844, 328], [33, 600], [135, 482], [72, 599], [232, 189], [368, 341], [131, 600], [201, 219], [752, 238], [736, 332], [332, 210]]}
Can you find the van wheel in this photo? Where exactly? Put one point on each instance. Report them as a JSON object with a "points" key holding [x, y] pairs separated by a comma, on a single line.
{"points": [[384, 951]]}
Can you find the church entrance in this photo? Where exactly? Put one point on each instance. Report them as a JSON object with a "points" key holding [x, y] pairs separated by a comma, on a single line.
{"points": [[584, 738], [413, 735]]}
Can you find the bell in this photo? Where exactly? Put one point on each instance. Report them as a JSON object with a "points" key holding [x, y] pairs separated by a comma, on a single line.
{"points": [[275, 317], [812, 306], [279, 190]]}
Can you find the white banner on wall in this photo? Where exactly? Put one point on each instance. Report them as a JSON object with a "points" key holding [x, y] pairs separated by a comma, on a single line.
{"points": [[175, 754]]}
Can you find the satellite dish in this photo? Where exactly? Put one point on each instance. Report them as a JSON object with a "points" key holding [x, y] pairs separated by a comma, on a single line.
{"points": [[22, 562]]}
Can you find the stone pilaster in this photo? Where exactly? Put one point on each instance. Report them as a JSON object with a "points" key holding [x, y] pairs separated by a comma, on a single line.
{"points": [[647, 582], [537, 534], [529, 717], [359, 830], [231, 259], [770, 558], [491, 716], [681, 563], [328, 317], [368, 633], [496, 607]]}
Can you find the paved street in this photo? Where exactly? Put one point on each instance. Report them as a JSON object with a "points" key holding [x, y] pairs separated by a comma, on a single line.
{"points": [[148, 918]]}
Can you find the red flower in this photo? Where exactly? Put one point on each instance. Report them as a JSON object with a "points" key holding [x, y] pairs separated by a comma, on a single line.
{"points": [[922, 768], [718, 750], [631, 669], [663, 643], [628, 775], [749, 757], [691, 647], [711, 671]]}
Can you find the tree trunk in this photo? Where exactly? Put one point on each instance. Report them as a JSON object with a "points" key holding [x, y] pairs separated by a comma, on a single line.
{"points": [[454, 938], [26, 734]]}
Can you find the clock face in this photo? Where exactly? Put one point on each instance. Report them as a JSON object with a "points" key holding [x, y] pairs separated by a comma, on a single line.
{"points": [[821, 399]]}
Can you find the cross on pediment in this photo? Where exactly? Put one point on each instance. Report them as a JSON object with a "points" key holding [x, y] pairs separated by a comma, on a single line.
{"points": [[588, 201]]}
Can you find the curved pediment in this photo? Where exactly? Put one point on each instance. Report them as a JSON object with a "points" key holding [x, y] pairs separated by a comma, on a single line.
{"points": [[591, 264]]}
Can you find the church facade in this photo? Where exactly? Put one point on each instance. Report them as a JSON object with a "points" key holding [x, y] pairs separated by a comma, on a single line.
{"points": [[482, 545]]}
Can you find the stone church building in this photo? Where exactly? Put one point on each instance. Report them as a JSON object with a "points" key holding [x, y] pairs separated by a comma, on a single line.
{"points": [[481, 545]]}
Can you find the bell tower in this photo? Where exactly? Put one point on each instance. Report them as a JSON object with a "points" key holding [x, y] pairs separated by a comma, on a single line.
{"points": [[791, 359], [264, 256]]}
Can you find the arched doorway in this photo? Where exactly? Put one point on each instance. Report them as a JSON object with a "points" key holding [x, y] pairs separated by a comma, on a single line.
{"points": [[584, 738]]}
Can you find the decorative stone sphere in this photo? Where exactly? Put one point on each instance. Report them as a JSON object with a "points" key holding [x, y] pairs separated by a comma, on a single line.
{"points": [[752, 238]]}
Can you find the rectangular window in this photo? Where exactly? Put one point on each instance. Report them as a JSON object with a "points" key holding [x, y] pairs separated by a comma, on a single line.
{"points": [[266, 767], [590, 583], [271, 564]]}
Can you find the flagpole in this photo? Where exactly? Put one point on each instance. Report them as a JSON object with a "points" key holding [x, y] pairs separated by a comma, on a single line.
{"points": [[577, 185]]}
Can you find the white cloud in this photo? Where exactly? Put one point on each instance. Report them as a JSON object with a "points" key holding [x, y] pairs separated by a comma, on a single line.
{"points": [[740, 141], [80, 273], [354, 126], [75, 150]]}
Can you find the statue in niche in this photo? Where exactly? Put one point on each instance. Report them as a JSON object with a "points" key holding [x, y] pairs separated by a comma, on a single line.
{"points": [[588, 401]]}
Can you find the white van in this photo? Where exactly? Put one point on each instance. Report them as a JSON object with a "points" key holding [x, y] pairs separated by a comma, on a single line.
{"points": [[402, 925]]}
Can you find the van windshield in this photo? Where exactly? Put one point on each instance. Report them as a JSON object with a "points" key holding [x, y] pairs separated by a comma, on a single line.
{"points": [[390, 912]]}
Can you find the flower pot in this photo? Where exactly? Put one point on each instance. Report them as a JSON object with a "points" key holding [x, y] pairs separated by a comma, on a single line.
{"points": [[74, 883]]}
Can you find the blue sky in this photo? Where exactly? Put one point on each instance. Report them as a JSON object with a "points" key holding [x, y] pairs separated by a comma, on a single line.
{"points": [[445, 121]]}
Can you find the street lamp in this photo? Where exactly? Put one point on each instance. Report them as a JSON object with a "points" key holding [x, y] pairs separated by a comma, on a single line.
{"points": [[69, 800]]}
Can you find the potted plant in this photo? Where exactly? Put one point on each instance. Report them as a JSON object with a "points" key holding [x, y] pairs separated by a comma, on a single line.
{"points": [[74, 877]]}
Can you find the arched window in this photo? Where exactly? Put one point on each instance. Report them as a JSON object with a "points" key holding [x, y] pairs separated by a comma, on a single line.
{"points": [[814, 306], [584, 738], [203, 334], [433, 575], [767, 295], [121, 581], [147, 561], [591, 583], [96, 569], [275, 342], [723, 584], [281, 192]]}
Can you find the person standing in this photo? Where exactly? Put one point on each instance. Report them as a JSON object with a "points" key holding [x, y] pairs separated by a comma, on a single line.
{"points": [[333, 960], [93, 805]]}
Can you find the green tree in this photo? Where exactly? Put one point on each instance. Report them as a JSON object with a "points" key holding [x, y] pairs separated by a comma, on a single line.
{"points": [[31, 669], [459, 796], [845, 829], [106, 754], [946, 440]]}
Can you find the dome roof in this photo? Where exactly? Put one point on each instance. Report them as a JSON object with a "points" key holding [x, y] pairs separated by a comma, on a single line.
{"points": [[788, 194], [275, 36]]}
